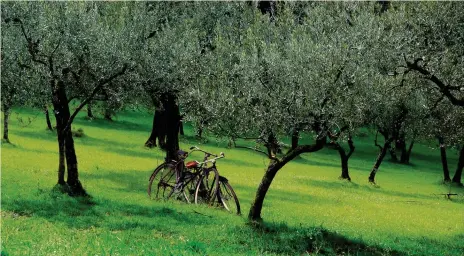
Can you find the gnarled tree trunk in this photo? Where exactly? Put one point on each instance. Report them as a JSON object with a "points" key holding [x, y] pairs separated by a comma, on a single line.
{"points": [[273, 168], [444, 160], [344, 157], [172, 126], [458, 173], [406, 152], [6, 119], [65, 141], [158, 130], [378, 162]]}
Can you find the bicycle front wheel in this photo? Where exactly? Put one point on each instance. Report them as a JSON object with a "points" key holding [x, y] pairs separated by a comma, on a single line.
{"points": [[227, 196], [162, 182], [207, 187], [190, 185]]}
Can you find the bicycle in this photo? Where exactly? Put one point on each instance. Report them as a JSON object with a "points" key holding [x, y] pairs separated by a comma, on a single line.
{"points": [[193, 182]]}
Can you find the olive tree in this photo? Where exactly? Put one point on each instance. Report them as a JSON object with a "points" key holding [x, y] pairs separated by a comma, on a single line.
{"points": [[16, 76], [165, 66], [269, 77], [423, 43], [75, 48]]}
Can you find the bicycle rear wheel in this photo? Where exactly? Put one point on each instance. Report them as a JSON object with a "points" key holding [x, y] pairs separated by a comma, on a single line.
{"points": [[227, 196], [162, 182], [207, 187]]}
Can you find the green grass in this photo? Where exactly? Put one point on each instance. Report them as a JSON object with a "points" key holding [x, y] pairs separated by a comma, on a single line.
{"points": [[307, 210]]}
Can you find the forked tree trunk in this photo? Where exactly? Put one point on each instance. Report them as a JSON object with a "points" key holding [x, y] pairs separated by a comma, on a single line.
{"points": [[458, 173], [378, 162], [444, 160], [344, 158], [47, 118], [65, 141], [273, 168], [406, 152], [6, 119]]}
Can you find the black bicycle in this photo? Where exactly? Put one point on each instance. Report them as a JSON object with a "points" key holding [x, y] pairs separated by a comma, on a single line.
{"points": [[193, 182]]}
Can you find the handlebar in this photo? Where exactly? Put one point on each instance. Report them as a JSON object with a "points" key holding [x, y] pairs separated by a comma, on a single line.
{"points": [[195, 148], [212, 160]]}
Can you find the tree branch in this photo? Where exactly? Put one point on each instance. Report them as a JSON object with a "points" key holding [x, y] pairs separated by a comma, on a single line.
{"points": [[260, 151], [351, 145], [375, 141], [444, 88], [100, 84], [31, 46]]}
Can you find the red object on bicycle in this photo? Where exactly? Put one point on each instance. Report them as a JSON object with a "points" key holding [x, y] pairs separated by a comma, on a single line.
{"points": [[191, 164]]}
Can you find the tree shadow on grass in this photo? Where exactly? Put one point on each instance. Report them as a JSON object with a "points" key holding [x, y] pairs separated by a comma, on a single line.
{"points": [[129, 181], [361, 188], [120, 125], [144, 153], [85, 213], [282, 239], [85, 140]]}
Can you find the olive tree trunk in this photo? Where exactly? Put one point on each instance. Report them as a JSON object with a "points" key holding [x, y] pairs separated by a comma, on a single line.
{"points": [[378, 162], [158, 130], [89, 111], [458, 173], [65, 141], [6, 119], [406, 152], [344, 157], [173, 120], [272, 169], [444, 160], [47, 118]]}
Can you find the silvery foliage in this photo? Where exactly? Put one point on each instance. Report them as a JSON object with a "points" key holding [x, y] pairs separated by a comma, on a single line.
{"points": [[77, 36], [167, 51], [433, 33], [19, 81], [273, 76]]}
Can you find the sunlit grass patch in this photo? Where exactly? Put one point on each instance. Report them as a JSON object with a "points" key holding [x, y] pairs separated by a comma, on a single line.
{"points": [[307, 210]]}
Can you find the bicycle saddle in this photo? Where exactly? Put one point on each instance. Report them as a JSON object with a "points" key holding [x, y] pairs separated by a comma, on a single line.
{"points": [[191, 164]]}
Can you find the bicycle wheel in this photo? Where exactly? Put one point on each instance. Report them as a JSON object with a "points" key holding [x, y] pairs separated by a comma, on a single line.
{"points": [[162, 182], [189, 188], [206, 189], [227, 196]]}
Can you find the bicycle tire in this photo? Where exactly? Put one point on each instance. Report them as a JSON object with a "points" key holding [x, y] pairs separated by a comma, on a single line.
{"points": [[207, 187], [164, 178], [189, 188], [227, 196]]}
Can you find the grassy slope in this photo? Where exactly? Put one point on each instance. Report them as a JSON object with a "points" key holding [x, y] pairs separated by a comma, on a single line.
{"points": [[307, 208]]}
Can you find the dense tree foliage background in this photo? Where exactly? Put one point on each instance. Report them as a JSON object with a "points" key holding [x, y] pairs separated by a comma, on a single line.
{"points": [[241, 70]]}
